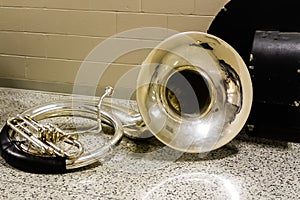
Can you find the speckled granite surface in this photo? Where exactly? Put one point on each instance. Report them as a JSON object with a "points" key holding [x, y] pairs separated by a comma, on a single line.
{"points": [[246, 168]]}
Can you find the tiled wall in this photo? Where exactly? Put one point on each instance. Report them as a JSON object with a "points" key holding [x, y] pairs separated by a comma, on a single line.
{"points": [[43, 42]]}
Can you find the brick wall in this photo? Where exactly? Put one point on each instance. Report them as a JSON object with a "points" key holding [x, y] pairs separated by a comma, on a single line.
{"points": [[43, 42]]}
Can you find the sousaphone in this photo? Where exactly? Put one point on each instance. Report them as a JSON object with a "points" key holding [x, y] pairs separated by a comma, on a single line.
{"points": [[193, 93]]}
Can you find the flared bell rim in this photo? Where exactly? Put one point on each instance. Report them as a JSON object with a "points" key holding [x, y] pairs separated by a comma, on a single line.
{"points": [[223, 51]]}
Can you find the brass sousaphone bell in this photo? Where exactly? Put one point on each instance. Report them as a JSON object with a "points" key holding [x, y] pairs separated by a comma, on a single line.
{"points": [[193, 93]]}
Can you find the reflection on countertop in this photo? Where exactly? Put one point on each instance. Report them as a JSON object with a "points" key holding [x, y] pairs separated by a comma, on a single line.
{"points": [[246, 168]]}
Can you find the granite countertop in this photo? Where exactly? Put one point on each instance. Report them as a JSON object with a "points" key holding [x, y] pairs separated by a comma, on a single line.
{"points": [[246, 168]]}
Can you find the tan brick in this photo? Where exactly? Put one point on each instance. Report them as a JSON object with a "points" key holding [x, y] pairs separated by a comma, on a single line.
{"points": [[121, 50], [90, 23], [35, 20], [12, 66], [209, 7], [34, 44], [104, 5], [18, 43], [116, 5], [33, 3], [70, 47], [51, 70], [16, 3], [114, 73], [23, 3], [168, 6], [11, 43], [68, 4], [133, 57], [129, 21], [99, 73], [11, 19], [189, 23], [66, 71]]}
